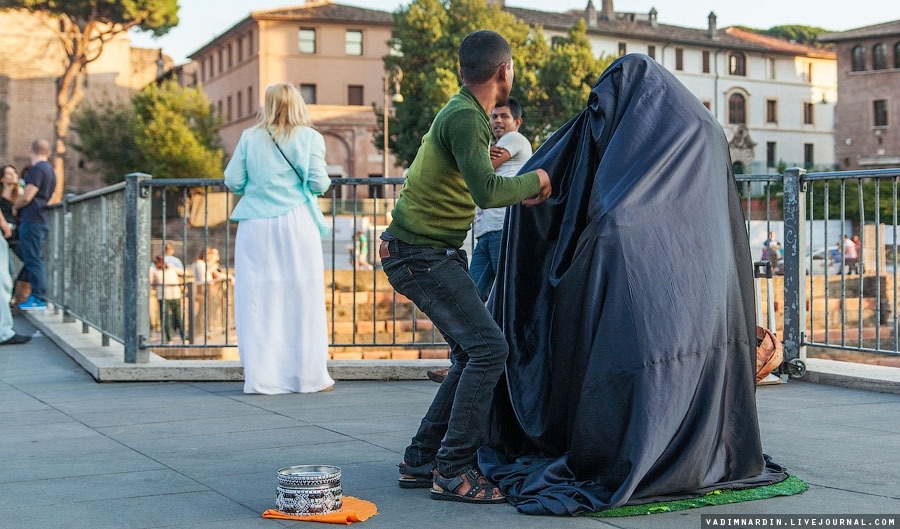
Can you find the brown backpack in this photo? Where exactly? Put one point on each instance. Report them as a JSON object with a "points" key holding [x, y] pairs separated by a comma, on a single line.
{"points": [[769, 352]]}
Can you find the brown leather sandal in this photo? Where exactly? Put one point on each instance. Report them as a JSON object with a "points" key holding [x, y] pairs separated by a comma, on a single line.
{"points": [[447, 489]]}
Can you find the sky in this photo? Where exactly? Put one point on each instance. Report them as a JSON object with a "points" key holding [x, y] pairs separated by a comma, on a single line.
{"points": [[199, 24]]}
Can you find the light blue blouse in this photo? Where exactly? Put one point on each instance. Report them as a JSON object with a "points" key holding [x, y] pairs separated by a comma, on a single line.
{"points": [[269, 186]]}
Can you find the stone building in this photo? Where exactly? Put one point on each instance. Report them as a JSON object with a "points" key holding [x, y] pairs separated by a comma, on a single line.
{"points": [[775, 99], [868, 61], [333, 53], [31, 61]]}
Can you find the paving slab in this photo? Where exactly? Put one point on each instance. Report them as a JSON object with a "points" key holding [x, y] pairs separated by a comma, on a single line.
{"points": [[76, 453]]}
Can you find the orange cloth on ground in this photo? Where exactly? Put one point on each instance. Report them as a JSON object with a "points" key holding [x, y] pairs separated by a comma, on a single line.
{"points": [[352, 510]]}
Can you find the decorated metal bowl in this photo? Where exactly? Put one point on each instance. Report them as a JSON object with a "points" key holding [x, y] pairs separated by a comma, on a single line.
{"points": [[309, 476], [309, 489]]}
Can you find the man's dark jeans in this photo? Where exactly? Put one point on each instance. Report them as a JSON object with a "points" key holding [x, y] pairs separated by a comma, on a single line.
{"points": [[438, 282], [31, 242]]}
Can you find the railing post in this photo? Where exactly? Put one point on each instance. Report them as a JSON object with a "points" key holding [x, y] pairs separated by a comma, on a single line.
{"points": [[794, 266], [137, 260], [64, 269]]}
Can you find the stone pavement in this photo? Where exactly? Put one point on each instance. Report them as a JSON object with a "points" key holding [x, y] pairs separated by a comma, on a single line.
{"points": [[75, 453]]}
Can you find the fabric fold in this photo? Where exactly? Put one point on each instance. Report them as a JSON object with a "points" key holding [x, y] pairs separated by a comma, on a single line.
{"points": [[627, 300]]}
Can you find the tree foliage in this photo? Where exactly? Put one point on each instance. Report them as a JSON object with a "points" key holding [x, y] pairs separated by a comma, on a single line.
{"points": [[808, 35], [855, 200], [168, 131], [568, 75], [177, 132], [83, 27], [801, 34], [106, 137], [551, 83]]}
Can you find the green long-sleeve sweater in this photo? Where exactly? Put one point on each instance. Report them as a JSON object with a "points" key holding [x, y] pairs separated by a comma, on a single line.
{"points": [[450, 175]]}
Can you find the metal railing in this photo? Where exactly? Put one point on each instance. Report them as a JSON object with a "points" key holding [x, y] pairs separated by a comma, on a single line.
{"points": [[829, 300], [101, 245]]}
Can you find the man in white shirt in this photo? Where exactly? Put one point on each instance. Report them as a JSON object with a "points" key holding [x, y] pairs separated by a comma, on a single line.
{"points": [[508, 155]]}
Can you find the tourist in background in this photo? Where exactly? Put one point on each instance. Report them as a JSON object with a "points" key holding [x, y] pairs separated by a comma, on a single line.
{"points": [[31, 207], [279, 168], [8, 336], [166, 280]]}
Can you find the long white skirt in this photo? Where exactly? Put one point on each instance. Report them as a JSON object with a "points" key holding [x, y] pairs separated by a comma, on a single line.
{"points": [[279, 304]]}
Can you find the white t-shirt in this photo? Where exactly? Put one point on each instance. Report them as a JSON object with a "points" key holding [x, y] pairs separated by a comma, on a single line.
{"points": [[166, 282], [519, 149]]}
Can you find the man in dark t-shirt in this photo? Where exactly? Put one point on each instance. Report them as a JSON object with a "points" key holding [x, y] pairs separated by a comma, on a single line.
{"points": [[40, 182]]}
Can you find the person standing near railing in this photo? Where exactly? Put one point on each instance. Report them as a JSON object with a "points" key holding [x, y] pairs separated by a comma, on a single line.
{"points": [[279, 168], [851, 257], [166, 280], [8, 335], [209, 304], [31, 207]]}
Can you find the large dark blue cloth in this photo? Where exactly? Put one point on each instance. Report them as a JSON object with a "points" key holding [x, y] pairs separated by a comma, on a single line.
{"points": [[628, 303]]}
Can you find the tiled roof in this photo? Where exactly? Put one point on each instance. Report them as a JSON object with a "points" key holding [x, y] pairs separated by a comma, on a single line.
{"points": [[326, 11], [640, 28], [886, 29]]}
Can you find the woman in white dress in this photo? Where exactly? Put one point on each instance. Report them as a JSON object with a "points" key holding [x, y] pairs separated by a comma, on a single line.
{"points": [[279, 168]]}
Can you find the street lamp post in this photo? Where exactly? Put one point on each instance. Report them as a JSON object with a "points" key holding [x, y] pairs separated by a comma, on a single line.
{"points": [[392, 76]]}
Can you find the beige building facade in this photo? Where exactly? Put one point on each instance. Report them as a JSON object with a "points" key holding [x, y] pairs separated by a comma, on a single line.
{"points": [[332, 53], [866, 135], [31, 61]]}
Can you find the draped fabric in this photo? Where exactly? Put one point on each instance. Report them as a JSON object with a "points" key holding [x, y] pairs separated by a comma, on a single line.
{"points": [[628, 302]]}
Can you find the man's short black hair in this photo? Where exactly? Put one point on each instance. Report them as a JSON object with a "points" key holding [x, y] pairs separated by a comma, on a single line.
{"points": [[515, 108], [480, 53]]}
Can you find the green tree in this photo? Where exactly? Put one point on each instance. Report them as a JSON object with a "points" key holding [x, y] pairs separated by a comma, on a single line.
{"points": [[168, 131], [177, 132], [427, 37], [83, 27], [568, 75], [878, 193], [106, 137], [800, 34], [552, 83]]}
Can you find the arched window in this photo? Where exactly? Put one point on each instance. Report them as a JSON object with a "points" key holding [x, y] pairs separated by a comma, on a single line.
{"points": [[858, 59], [880, 56], [737, 113], [737, 64], [897, 55]]}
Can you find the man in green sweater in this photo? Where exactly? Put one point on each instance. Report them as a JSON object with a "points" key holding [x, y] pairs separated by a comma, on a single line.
{"points": [[421, 255]]}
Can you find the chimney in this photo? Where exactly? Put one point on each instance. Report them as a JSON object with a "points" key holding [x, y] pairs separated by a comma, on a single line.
{"points": [[653, 14], [590, 15], [713, 33], [606, 11]]}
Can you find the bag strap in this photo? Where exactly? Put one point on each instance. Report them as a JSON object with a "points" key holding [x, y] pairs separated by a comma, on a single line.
{"points": [[284, 155]]}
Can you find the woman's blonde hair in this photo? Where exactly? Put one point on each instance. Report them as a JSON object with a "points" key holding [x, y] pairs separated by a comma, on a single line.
{"points": [[283, 111]]}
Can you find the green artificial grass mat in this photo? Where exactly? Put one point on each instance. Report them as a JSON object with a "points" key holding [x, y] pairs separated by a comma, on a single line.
{"points": [[790, 486]]}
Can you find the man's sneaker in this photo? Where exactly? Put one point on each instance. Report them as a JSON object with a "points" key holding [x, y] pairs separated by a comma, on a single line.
{"points": [[33, 303]]}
